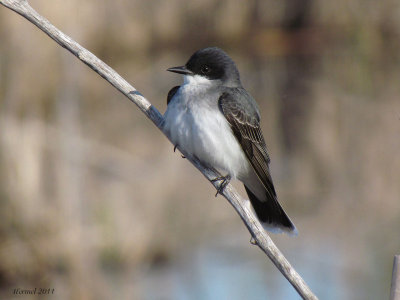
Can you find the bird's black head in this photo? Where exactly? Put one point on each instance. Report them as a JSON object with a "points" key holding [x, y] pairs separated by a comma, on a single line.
{"points": [[212, 63]]}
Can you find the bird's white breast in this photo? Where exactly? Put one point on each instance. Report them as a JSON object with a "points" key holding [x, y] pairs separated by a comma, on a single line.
{"points": [[195, 123]]}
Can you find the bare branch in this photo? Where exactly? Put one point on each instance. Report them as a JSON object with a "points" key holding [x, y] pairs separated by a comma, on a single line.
{"points": [[395, 287], [241, 205]]}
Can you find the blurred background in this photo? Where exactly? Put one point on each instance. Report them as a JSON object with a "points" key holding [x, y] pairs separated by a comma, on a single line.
{"points": [[94, 202]]}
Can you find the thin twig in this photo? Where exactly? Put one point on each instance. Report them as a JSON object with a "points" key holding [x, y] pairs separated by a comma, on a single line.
{"points": [[241, 205], [395, 287]]}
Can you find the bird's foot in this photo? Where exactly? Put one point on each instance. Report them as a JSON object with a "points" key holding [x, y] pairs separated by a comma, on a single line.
{"points": [[253, 241], [225, 181], [183, 156]]}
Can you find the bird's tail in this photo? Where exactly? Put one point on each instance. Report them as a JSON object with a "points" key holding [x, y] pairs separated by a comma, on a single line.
{"points": [[271, 214]]}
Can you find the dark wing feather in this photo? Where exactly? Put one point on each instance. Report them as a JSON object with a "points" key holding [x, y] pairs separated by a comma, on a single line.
{"points": [[241, 111], [172, 93]]}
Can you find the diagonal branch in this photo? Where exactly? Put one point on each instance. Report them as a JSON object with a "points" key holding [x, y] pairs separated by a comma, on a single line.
{"points": [[241, 205]]}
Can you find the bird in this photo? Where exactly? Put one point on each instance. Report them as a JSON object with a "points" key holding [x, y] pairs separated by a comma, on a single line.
{"points": [[214, 119]]}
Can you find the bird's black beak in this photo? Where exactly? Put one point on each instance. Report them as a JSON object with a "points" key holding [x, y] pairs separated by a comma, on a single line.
{"points": [[180, 70]]}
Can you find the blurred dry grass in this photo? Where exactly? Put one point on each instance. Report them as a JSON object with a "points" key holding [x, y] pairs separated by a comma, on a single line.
{"points": [[89, 188]]}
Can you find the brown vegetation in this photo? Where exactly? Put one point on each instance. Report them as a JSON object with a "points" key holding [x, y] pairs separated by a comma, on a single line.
{"points": [[89, 188]]}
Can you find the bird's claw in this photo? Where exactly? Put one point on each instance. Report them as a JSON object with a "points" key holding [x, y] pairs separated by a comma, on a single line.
{"points": [[225, 181], [183, 156]]}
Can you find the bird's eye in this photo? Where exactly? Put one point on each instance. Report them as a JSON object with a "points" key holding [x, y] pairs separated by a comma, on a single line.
{"points": [[205, 69]]}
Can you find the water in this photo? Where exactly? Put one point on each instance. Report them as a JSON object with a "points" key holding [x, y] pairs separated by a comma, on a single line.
{"points": [[226, 271]]}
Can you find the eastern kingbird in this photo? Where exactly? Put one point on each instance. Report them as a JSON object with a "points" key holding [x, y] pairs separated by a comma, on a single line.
{"points": [[212, 117]]}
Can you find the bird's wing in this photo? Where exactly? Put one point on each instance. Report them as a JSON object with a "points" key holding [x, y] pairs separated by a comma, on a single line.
{"points": [[172, 93], [242, 113]]}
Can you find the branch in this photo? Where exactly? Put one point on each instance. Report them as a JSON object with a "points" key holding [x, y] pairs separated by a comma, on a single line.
{"points": [[395, 287], [241, 205]]}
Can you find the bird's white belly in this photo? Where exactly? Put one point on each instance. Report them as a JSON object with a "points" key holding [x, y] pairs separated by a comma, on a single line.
{"points": [[206, 134]]}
